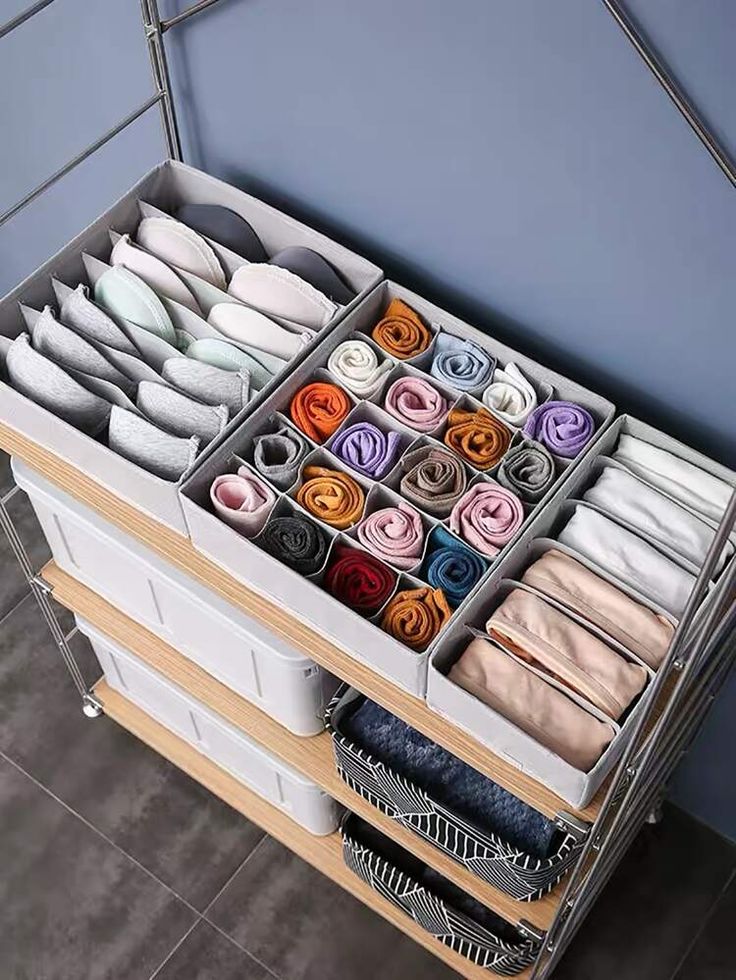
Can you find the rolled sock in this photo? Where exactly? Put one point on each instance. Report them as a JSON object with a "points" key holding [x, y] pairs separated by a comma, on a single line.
{"points": [[415, 616], [563, 427], [639, 629], [510, 395], [332, 496], [434, 479], [144, 444], [297, 542], [360, 581], [242, 501], [319, 408], [487, 516], [528, 470], [367, 449], [477, 436], [279, 455], [416, 403], [451, 566], [401, 332], [531, 704], [394, 534], [625, 496], [629, 558], [684, 481], [355, 365], [461, 363], [556, 645]]}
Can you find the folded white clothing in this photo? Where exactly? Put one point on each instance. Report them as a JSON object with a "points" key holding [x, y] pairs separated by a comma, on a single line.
{"points": [[510, 395], [144, 444], [153, 271], [181, 247], [255, 329], [691, 485], [629, 558], [625, 496], [355, 365], [278, 292]]}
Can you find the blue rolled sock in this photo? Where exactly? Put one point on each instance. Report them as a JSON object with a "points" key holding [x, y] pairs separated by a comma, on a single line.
{"points": [[451, 566]]}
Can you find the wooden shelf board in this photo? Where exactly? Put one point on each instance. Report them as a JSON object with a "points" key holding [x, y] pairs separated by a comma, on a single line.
{"points": [[311, 756], [178, 550], [323, 853]]}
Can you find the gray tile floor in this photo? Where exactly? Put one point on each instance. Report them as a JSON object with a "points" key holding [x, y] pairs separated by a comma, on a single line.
{"points": [[116, 866]]}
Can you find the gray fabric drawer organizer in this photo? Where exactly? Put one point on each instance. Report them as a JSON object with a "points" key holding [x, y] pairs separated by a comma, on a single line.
{"points": [[440, 908], [505, 861]]}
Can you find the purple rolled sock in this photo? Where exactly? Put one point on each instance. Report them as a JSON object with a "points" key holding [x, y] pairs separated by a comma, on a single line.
{"points": [[563, 427], [367, 449]]}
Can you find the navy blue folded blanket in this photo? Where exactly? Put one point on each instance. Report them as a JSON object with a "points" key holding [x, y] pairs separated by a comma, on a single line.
{"points": [[448, 780]]}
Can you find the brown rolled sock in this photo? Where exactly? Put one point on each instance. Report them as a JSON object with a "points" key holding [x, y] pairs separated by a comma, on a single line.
{"points": [[401, 331], [477, 437], [434, 479], [415, 616], [319, 408], [332, 496]]}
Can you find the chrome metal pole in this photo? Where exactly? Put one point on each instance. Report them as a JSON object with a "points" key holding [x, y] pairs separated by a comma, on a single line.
{"points": [[23, 16], [186, 14], [162, 80]]}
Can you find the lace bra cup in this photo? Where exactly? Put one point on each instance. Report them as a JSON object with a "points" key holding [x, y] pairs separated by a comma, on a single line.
{"points": [[254, 329], [314, 269], [92, 323], [279, 292], [126, 295], [178, 245], [224, 226], [153, 271]]}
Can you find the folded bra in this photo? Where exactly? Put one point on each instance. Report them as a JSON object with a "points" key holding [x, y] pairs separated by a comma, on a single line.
{"points": [[254, 329], [314, 269], [126, 295], [224, 226], [181, 247], [278, 292], [153, 271]]}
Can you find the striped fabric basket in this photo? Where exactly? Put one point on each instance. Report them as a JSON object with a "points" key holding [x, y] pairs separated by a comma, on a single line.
{"points": [[512, 870], [435, 904]]}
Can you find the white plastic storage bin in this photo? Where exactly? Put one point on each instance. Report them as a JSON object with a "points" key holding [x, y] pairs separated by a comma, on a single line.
{"points": [[211, 735], [201, 625]]}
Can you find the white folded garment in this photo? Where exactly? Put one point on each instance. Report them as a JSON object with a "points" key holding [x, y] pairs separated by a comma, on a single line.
{"points": [[178, 245], [355, 365], [254, 329], [279, 292], [691, 485], [510, 395], [625, 496], [153, 271], [629, 558]]}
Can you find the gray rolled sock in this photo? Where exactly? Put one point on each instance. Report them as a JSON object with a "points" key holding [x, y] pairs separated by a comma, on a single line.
{"points": [[71, 351], [147, 446], [208, 384], [279, 455], [44, 382], [92, 323], [528, 470], [180, 415]]}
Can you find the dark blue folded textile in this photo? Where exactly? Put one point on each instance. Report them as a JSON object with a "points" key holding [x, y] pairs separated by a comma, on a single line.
{"points": [[451, 566], [448, 780]]}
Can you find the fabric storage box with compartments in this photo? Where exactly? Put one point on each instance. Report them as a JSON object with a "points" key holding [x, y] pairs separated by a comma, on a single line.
{"points": [[359, 635], [214, 737], [482, 826], [141, 356], [489, 726], [434, 903], [201, 625]]}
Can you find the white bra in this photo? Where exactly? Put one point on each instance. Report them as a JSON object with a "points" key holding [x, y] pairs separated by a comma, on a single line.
{"points": [[181, 247], [279, 292]]}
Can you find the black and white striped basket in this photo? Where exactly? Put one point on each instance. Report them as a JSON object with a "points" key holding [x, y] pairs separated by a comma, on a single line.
{"points": [[381, 864], [521, 875]]}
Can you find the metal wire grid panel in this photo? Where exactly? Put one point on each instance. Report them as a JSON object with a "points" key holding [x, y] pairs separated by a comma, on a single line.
{"points": [[701, 653]]}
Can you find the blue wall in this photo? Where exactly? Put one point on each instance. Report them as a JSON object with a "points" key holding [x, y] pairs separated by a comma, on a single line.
{"points": [[513, 161]]}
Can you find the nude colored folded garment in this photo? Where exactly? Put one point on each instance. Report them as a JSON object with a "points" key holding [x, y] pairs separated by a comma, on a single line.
{"points": [[416, 403], [394, 534], [636, 627], [401, 332], [622, 495], [629, 558], [536, 707], [555, 644], [487, 516], [477, 436], [278, 292], [319, 408], [686, 482], [415, 616], [242, 501], [332, 496]]}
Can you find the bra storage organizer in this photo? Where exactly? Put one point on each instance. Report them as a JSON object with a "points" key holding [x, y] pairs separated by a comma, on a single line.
{"points": [[428, 612]]}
